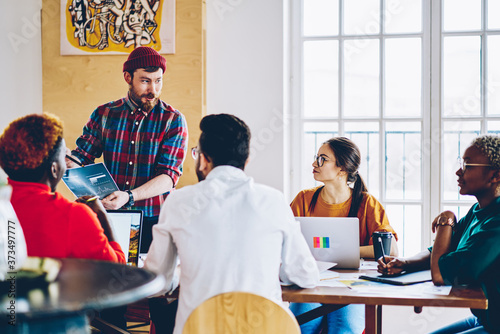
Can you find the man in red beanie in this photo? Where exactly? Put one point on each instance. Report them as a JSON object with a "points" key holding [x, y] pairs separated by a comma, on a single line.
{"points": [[143, 140]]}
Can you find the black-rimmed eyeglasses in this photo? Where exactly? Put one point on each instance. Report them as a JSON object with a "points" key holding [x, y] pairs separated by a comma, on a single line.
{"points": [[320, 160]]}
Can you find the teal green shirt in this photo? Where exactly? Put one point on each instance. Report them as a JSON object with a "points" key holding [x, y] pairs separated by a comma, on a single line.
{"points": [[476, 259]]}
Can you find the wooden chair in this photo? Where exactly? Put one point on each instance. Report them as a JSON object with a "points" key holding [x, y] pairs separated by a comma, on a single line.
{"points": [[240, 312]]}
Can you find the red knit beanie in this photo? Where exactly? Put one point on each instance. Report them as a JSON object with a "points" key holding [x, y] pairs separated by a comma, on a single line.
{"points": [[143, 57]]}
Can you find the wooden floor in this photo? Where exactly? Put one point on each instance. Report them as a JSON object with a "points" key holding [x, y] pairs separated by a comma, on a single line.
{"points": [[137, 313], [138, 330]]}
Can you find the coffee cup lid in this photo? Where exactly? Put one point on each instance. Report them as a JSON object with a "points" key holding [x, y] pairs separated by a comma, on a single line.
{"points": [[382, 234]]}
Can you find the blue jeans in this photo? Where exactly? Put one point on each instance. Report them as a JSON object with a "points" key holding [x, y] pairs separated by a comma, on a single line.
{"points": [[469, 325], [348, 319]]}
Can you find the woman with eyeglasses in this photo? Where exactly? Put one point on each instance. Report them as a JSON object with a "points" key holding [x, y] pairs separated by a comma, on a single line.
{"points": [[467, 251], [343, 194]]}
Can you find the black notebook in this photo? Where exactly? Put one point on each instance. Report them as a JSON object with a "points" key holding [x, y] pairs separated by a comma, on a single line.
{"points": [[402, 279]]}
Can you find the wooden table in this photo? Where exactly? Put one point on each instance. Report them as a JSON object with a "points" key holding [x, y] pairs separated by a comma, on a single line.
{"points": [[334, 298], [81, 286]]}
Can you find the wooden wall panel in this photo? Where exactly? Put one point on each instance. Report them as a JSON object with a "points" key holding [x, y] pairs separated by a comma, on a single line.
{"points": [[73, 86]]}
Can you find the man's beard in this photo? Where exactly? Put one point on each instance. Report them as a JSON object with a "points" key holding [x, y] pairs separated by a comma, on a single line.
{"points": [[145, 106], [199, 174]]}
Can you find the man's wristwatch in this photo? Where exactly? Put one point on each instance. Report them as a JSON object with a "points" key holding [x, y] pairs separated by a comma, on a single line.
{"points": [[130, 199]]}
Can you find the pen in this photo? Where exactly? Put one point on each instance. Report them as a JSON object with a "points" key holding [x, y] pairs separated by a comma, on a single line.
{"points": [[74, 160], [382, 249], [326, 279], [92, 199]]}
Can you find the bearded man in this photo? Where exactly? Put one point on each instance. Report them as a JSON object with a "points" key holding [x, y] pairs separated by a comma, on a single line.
{"points": [[142, 140]]}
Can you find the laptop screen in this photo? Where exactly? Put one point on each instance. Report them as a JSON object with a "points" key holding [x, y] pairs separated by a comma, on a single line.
{"points": [[127, 228]]}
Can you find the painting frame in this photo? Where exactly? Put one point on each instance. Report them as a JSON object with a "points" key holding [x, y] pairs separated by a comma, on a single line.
{"points": [[110, 27]]}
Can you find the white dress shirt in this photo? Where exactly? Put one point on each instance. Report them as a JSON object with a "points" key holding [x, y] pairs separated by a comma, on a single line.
{"points": [[230, 234]]}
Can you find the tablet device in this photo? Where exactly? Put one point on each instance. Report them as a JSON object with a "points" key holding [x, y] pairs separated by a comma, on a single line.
{"points": [[403, 279]]}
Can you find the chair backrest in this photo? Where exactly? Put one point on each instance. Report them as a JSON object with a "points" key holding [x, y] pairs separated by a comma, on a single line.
{"points": [[240, 312]]}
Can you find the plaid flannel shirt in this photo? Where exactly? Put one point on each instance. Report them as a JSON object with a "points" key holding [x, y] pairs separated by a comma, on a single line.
{"points": [[136, 146]]}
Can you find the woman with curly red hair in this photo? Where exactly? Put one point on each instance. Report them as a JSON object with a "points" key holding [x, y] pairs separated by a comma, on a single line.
{"points": [[32, 153]]}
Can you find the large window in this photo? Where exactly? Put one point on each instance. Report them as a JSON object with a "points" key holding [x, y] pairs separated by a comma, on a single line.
{"points": [[410, 91]]}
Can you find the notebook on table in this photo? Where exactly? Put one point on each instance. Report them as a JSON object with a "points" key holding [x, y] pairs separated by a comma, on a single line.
{"points": [[402, 279], [333, 239], [127, 229]]}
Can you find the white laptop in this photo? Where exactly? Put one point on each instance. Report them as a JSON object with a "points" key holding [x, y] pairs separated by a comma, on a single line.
{"points": [[332, 239]]}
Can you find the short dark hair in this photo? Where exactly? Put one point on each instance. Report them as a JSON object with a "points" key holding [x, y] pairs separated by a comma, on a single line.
{"points": [[225, 140], [149, 69]]}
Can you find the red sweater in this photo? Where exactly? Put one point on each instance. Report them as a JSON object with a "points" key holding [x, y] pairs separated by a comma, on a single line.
{"points": [[55, 227]]}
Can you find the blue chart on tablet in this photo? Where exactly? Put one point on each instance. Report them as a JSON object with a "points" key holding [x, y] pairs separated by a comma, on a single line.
{"points": [[90, 180]]}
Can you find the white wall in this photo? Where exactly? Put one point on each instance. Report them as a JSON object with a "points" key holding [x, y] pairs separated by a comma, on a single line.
{"points": [[20, 61], [245, 77]]}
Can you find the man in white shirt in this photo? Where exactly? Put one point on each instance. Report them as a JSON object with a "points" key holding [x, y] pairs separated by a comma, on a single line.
{"points": [[229, 233]]}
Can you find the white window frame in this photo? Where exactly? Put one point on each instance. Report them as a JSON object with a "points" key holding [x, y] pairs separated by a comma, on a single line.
{"points": [[438, 36], [432, 121]]}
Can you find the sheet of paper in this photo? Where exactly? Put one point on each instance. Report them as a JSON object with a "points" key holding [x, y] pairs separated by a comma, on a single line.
{"points": [[375, 288], [349, 276], [368, 264], [328, 275], [323, 266], [90, 180], [332, 283], [358, 284], [429, 288]]}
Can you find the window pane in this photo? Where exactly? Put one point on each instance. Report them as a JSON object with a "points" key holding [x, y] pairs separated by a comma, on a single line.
{"points": [[366, 136], [403, 79], [403, 171], [361, 17], [321, 17], [460, 15], [493, 86], [403, 16], [457, 137], [315, 134], [494, 127], [461, 210], [461, 63], [493, 14], [321, 79], [361, 79], [407, 222]]}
